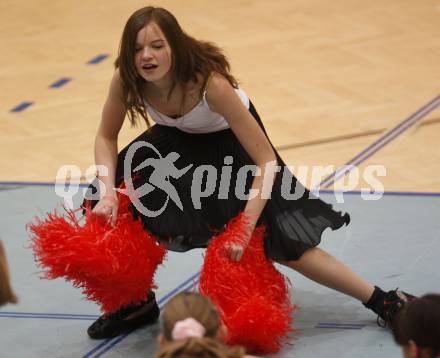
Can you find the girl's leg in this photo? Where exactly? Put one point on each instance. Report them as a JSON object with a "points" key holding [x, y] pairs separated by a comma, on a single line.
{"points": [[327, 270]]}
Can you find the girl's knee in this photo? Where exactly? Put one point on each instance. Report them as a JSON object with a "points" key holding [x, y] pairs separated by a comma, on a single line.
{"points": [[288, 263], [309, 255]]}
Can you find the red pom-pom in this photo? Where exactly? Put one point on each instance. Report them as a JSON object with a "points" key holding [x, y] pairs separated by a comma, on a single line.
{"points": [[114, 265], [252, 296]]}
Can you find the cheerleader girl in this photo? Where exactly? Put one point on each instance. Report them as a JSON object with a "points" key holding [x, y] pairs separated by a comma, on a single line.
{"points": [[185, 87]]}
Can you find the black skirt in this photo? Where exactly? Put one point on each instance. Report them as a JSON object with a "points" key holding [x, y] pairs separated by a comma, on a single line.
{"points": [[189, 219]]}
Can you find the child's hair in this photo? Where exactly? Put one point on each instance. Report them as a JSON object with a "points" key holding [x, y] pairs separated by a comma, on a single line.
{"points": [[189, 57], [419, 321], [198, 347], [198, 307], [6, 293]]}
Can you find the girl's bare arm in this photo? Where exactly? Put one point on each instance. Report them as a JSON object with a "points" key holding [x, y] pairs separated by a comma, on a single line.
{"points": [[106, 147], [223, 99]]}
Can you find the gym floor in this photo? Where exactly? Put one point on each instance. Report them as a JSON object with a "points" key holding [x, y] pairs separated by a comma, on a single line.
{"points": [[342, 82]]}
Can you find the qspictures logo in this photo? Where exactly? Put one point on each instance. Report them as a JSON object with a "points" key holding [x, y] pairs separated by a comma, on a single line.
{"points": [[206, 178]]}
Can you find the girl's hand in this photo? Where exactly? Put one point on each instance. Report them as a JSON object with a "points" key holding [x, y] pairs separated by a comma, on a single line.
{"points": [[107, 207], [236, 250]]}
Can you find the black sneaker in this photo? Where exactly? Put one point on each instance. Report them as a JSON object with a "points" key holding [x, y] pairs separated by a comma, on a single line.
{"points": [[114, 324], [389, 305]]}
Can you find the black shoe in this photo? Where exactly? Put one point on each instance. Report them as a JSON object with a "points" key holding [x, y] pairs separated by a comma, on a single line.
{"points": [[114, 324], [390, 305]]}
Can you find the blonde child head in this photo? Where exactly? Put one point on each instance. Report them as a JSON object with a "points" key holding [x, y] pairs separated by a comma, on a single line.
{"points": [[191, 327]]}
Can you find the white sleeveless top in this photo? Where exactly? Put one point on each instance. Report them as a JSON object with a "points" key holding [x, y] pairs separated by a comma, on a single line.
{"points": [[199, 120]]}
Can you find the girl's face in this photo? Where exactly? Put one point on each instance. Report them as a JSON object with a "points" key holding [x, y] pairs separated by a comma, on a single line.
{"points": [[153, 54]]}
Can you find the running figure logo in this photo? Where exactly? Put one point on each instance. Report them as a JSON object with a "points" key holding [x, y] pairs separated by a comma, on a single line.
{"points": [[163, 169]]}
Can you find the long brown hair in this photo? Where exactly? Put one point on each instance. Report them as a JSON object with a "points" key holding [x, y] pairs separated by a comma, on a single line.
{"points": [[189, 57], [194, 305]]}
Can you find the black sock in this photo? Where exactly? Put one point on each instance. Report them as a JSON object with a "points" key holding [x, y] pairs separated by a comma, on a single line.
{"points": [[377, 296]]}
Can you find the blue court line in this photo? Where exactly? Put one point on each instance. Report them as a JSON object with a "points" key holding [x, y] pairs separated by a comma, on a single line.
{"points": [[382, 141], [351, 192], [338, 327], [386, 193], [21, 107], [193, 280], [420, 113], [51, 314], [33, 183], [341, 324], [61, 82], [47, 315], [97, 59], [410, 193], [110, 343]]}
